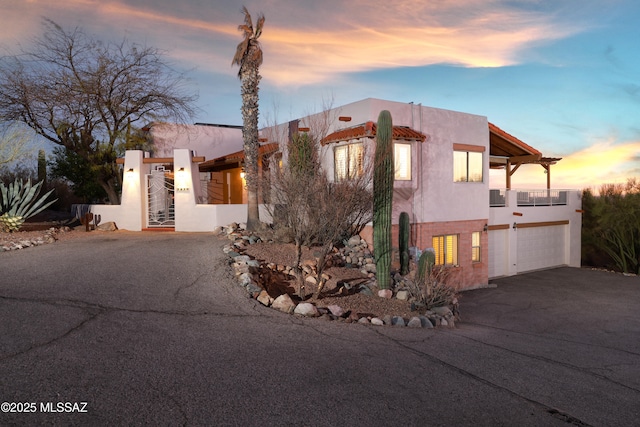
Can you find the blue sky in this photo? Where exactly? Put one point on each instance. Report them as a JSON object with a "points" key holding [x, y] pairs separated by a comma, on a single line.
{"points": [[563, 76]]}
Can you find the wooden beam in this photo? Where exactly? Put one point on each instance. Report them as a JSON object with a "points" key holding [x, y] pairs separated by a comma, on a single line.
{"points": [[469, 147], [499, 227], [147, 160], [541, 224], [548, 169], [525, 159]]}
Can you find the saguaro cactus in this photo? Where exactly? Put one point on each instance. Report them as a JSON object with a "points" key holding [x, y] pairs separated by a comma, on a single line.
{"points": [[403, 242], [382, 198], [425, 266]]}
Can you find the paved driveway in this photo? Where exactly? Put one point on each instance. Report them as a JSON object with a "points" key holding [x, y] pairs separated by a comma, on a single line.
{"points": [[149, 329]]}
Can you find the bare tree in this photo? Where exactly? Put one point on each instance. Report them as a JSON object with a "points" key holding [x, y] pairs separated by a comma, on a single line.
{"points": [[85, 95], [248, 57], [313, 210], [14, 144]]}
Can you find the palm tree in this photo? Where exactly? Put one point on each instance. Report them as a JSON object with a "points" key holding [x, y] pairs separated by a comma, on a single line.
{"points": [[249, 58]]}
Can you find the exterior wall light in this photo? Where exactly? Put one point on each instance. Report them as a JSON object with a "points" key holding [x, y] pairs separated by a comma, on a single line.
{"points": [[181, 180], [486, 228], [515, 226]]}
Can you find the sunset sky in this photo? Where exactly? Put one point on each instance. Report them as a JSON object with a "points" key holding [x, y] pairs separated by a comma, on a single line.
{"points": [[563, 76]]}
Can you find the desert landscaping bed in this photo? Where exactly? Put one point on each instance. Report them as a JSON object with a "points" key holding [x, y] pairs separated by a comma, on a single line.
{"points": [[264, 269]]}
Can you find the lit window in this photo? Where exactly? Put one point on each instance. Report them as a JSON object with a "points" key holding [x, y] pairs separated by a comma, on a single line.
{"points": [[467, 166], [349, 161], [446, 249], [402, 160], [475, 246]]}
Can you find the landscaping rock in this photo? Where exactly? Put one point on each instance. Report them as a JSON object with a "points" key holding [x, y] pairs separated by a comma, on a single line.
{"points": [[402, 295], [414, 322], [385, 293], [253, 289], [265, 299], [426, 323], [108, 226], [387, 319], [336, 310], [306, 309], [245, 279], [377, 321], [363, 320], [442, 311], [369, 268], [354, 241], [242, 259], [397, 321], [284, 303], [365, 290]]}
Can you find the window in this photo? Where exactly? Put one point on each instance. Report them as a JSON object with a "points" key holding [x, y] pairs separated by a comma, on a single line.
{"points": [[402, 160], [467, 166], [348, 161], [475, 246], [446, 249]]}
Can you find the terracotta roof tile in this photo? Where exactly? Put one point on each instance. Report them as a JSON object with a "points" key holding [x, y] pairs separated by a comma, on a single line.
{"points": [[368, 130]]}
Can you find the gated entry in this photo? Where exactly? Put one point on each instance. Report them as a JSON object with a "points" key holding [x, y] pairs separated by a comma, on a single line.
{"points": [[160, 199]]}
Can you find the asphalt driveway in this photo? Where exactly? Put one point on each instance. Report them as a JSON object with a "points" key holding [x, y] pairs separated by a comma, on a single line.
{"points": [[150, 329]]}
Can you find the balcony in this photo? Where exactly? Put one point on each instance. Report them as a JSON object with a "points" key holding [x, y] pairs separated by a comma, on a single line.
{"points": [[501, 197]]}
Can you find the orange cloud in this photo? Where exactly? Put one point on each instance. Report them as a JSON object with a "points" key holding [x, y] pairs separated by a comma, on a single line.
{"points": [[353, 36], [601, 163]]}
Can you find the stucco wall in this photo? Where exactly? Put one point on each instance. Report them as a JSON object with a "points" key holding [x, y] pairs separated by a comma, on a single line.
{"points": [[433, 196], [210, 141]]}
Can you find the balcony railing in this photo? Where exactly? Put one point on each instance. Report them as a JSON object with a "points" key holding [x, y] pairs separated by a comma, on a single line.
{"points": [[498, 198]]}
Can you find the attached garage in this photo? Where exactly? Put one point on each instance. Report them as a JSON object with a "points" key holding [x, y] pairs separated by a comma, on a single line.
{"points": [[527, 247], [541, 245]]}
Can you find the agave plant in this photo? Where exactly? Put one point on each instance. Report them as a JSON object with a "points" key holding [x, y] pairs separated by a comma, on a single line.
{"points": [[19, 201]]}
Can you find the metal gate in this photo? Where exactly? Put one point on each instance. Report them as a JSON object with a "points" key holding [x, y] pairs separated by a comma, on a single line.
{"points": [[160, 199]]}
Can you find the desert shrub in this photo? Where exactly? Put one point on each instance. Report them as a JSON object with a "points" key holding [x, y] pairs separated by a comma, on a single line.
{"points": [[430, 284]]}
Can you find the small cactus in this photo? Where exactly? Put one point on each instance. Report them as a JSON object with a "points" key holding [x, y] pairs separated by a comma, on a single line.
{"points": [[425, 265], [403, 243], [86, 221]]}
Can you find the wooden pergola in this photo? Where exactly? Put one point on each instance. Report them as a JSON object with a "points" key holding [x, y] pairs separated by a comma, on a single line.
{"points": [[509, 153]]}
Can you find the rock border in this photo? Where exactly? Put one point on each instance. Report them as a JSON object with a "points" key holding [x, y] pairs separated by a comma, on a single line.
{"points": [[355, 254], [48, 236]]}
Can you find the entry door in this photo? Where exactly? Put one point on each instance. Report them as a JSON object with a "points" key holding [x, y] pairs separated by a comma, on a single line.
{"points": [[498, 253], [160, 199]]}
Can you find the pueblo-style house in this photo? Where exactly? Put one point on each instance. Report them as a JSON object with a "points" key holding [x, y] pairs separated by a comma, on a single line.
{"points": [[442, 163]]}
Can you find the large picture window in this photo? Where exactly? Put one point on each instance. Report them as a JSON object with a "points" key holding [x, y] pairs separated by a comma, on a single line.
{"points": [[349, 161], [446, 249], [467, 166]]}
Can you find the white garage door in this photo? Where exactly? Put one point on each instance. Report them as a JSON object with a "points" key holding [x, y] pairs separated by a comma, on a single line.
{"points": [[541, 247], [498, 247]]}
